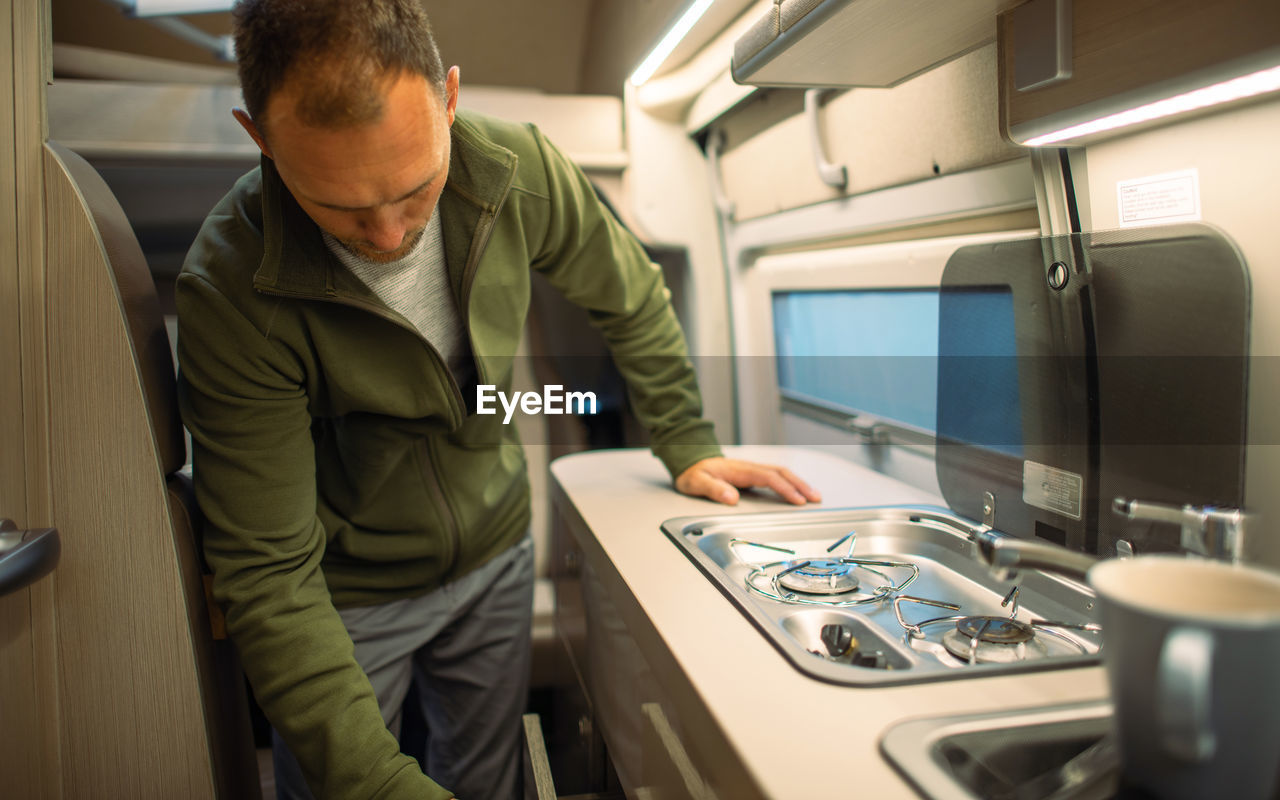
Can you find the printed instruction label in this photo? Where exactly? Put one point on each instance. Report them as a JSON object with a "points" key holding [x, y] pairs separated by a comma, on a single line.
{"points": [[1052, 489], [1171, 197]]}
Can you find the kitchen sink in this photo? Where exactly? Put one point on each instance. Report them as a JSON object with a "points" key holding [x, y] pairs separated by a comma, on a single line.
{"points": [[1062, 751], [888, 594]]}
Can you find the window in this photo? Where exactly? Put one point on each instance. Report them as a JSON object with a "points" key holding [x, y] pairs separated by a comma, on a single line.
{"points": [[876, 352], [869, 351]]}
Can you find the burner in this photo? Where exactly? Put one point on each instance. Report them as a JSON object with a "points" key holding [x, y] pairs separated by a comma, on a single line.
{"points": [[987, 640], [818, 576], [999, 630], [829, 582]]}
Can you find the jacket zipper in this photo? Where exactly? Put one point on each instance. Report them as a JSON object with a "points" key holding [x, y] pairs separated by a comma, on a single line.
{"points": [[446, 512], [480, 240]]}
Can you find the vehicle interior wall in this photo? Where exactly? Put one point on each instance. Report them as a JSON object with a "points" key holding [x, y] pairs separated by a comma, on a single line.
{"points": [[662, 156], [917, 156]]}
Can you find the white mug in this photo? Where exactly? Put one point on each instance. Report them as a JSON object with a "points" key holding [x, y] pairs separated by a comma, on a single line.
{"points": [[1192, 652]]}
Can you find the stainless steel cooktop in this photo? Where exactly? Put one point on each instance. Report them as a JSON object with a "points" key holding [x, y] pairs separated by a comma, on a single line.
{"points": [[887, 595]]}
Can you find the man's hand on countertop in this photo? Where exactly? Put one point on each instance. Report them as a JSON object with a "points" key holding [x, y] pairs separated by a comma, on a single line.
{"points": [[720, 478]]}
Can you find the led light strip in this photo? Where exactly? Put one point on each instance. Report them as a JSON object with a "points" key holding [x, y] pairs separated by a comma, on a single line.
{"points": [[659, 54], [164, 8], [1267, 80]]}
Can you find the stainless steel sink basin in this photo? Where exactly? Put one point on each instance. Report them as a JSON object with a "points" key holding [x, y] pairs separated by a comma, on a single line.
{"points": [[895, 602], [1059, 751]]}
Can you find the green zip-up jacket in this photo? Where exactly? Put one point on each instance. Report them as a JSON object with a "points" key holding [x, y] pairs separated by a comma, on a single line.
{"points": [[335, 461]]}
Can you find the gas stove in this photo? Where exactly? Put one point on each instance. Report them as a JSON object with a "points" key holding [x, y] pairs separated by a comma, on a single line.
{"points": [[888, 595]]}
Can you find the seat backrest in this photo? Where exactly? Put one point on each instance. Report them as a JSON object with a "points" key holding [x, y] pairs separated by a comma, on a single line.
{"points": [[129, 594]]}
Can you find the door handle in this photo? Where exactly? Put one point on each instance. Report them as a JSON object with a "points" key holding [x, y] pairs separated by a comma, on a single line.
{"points": [[26, 556]]}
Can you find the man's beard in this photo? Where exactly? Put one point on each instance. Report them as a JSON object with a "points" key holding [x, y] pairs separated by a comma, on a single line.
{"points": [[367, 252]]}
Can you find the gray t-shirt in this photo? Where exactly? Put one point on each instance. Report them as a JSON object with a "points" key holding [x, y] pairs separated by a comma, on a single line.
{"points": [[417, 287]]}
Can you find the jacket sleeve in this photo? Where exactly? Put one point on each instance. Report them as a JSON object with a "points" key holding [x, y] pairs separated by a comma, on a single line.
{"points": [[243, 401], [600, 266]]}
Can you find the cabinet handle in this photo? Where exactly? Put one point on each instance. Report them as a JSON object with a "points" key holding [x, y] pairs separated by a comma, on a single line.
{"points": [[715, 143], [689, 782], [26, 556], [834, 175]]}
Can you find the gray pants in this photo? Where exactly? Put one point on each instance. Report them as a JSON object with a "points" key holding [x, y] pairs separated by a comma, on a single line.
{"points": [[465, 647]]}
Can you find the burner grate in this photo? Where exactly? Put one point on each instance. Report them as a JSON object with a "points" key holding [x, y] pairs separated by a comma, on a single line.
{"points": [[823, 581], [984, 639]]}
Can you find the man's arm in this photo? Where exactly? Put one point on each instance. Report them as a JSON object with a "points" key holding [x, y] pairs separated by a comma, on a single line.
{"points": [[254, 468], [600, 266]]}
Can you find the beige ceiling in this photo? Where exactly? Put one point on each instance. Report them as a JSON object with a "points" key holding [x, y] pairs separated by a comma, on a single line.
{"points": [[567, 46]]}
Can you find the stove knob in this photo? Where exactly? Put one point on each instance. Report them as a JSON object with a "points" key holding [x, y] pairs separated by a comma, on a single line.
{"points": [[837, 639]]}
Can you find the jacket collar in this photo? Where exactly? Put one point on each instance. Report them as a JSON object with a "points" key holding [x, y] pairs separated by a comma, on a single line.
{"points": [[480, 171]]}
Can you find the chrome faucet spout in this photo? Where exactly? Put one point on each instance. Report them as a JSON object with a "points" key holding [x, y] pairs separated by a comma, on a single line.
{"points": [[1004, 553], [1205, 530]]}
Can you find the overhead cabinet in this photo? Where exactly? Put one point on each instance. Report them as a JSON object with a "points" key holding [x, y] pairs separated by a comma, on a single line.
{"points": [[871, 43], [1128, 55], [938, 124]]}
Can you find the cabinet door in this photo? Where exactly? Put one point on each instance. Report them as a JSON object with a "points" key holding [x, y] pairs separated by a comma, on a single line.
{"points": [[28, 707], [21, 717]]}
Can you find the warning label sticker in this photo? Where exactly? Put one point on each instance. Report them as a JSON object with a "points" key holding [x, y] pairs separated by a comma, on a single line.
{"points": [[1052, 489], [1171, 197]]}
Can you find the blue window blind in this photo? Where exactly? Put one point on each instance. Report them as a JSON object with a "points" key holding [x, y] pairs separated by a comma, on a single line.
{"points": [[875, 351], [871, 351]]}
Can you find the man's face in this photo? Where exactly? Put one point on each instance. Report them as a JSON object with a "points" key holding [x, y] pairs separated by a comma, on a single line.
{"points": [[372, 186]]}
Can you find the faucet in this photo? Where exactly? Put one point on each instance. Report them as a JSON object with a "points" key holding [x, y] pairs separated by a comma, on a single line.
{"points": [[1206, 530], [1003, 554]]}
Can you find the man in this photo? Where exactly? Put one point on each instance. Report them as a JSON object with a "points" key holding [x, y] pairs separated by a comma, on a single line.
{"points": [[365, 527]]}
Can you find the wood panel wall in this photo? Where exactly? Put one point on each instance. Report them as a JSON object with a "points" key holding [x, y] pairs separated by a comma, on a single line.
{"points": [[29, 763], [131, 722]]}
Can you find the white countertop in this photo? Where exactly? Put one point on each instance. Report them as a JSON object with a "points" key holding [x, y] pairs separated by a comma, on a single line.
{"points": [[791, 736]]}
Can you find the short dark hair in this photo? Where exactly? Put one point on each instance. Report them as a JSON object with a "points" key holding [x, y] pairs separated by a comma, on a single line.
{"points": [[345, 46]]}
